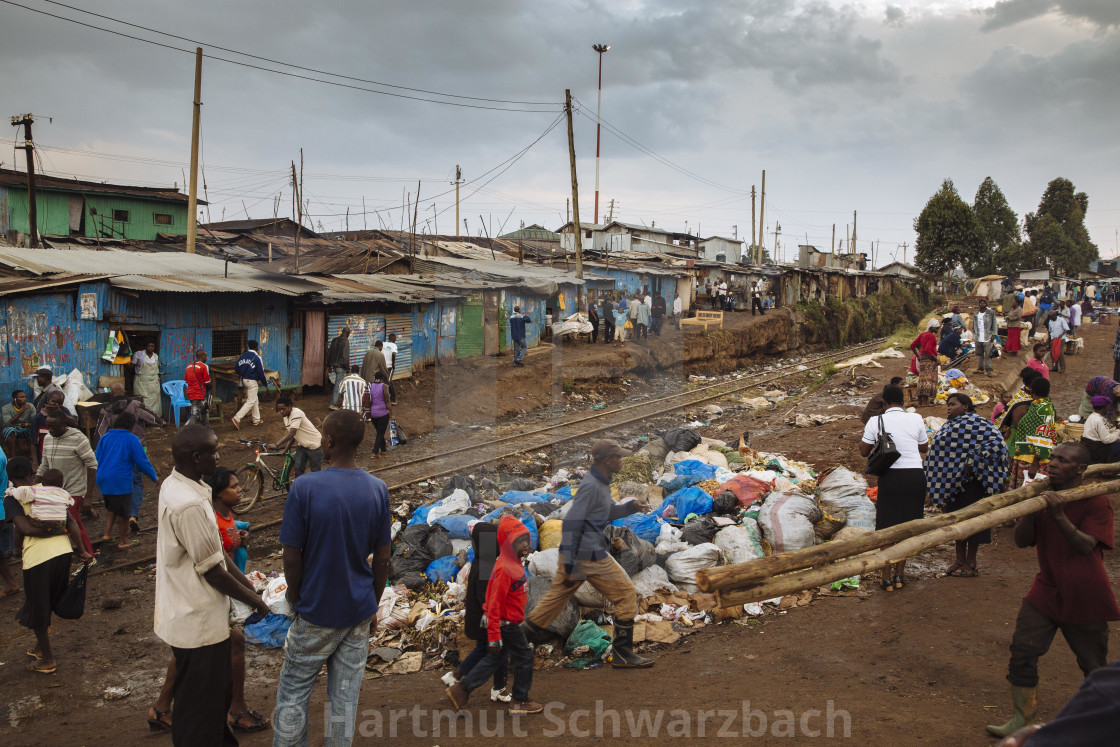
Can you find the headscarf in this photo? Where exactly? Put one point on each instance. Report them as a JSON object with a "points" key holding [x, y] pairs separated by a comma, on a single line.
{"points": [[1033, 436], [1100, 400], [933, 324], [1105, 387], [967, 448]]}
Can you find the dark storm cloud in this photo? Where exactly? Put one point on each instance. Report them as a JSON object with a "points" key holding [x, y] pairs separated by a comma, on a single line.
{"points": [[1104, 13]]}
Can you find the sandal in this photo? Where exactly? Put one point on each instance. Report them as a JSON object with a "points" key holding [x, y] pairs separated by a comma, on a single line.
{"points": [[157, 725], [964, 571], [236, 423], [41, 670], [259, 722], [887, 583], [34, 654], [133, 525], [131, 544], [898, 584]]}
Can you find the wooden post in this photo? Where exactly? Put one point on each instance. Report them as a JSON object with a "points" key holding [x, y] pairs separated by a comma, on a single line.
{"points": [[29, 149], [192, 195], [852, 243], [762, 216], [458, 176], [753, 232], [575, 185]]}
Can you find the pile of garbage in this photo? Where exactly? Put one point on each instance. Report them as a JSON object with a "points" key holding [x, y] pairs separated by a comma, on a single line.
{"points": [[953, 381], [710, 503]]}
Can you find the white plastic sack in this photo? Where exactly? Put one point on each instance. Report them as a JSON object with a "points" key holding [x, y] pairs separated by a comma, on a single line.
{"points": [[736, 545], [787, 520], [677, 456], [455, 594], [649, 581], [392, 610], [682, 566], [458, 545], [73, 385], [274, 597], [545, 563], [844, 489], [238, 611], [456, 503], [588, 596], [669, 541]]}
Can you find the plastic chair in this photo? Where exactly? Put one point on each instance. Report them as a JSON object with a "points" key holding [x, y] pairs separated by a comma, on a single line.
{"points": [[176, 391]]}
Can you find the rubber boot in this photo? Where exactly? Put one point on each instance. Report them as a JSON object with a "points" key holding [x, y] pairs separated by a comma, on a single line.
{"points": [[622, 648], [1025, 701], [534, 634]]}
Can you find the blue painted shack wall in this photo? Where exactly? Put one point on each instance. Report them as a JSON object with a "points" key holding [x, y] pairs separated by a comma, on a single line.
{"points": [[425, 334], [534, 306], [445, 343], [632, 282], [48, 329]]}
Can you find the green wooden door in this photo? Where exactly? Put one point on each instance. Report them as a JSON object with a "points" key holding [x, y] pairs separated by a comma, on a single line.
{"points": [[469, 329]]}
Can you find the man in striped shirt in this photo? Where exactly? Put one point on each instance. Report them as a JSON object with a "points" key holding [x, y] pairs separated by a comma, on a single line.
{"points": [[351, 389]]}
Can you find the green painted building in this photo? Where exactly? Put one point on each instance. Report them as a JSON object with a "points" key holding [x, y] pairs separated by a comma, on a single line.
{"points": [[69, 207]]}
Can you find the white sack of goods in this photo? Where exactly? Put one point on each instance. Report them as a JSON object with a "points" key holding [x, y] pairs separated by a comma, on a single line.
{"points": [[844, 489], [545, 563], [737, 544], [682, 566], [648, 582], [787, 520]]}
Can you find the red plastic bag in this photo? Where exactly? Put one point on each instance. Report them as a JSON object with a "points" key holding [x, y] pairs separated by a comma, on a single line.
{"points": [[747, 489]]}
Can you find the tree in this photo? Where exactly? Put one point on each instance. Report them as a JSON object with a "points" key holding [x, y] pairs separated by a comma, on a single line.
{"points": [[999, 230], [948, 233], [1056, 233]]}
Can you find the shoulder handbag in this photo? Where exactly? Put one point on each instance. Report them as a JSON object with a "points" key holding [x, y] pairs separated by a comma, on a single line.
{"points": [[72, 604], [883, 454]]}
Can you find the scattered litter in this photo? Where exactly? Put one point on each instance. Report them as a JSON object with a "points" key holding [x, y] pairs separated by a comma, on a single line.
{"points": [[116, 693]]}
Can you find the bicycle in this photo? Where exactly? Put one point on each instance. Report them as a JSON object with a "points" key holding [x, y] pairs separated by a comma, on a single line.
{"points": [[252, 475]]}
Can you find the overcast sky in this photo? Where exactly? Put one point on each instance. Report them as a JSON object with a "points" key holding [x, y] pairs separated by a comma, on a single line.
{"points": [[847, 105]]}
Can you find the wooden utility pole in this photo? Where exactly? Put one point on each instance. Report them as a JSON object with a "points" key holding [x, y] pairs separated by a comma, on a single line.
{"points": [[903, 252], [29, 149], [363, 212], [458, 177], [435, 218], [415, 214], [575, 185], [833, 249], [753, 228], [567, 209], [192, 195], [610, 216], [852, 243], [297, 199], [761, 216]]}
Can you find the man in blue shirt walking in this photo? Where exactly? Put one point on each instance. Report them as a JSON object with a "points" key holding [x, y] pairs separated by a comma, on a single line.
{"points": [[250, 368], [517, 324], [333, 521]]}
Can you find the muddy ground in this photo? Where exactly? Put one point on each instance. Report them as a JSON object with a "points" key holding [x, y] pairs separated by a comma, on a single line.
{"points": [[922, 666]]}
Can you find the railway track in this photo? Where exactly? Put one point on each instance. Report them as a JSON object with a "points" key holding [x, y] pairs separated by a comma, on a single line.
{"points": [[483, 452]]}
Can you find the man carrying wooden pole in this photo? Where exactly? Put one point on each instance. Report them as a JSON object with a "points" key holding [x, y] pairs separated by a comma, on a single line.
{"points": [[1071, 592]]}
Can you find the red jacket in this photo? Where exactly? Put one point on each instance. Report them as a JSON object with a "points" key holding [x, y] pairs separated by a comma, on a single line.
{"points": [[506, 593]]}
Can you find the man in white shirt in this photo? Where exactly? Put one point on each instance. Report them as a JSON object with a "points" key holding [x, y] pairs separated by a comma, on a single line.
{"points": [[352, 389], [984, 327], [303, 432], [193, 586], [1058, 328], [389, 350], [677, 310], [1074, 318]]}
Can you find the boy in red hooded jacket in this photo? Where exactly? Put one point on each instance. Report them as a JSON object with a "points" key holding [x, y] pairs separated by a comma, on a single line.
{"points": [[505, 609]]}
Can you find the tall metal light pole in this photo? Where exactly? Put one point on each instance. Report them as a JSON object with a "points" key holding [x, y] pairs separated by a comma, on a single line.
{"points": [[600, 48]]}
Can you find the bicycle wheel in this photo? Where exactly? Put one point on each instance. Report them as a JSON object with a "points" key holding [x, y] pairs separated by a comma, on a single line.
{"points": [[252, 486]]}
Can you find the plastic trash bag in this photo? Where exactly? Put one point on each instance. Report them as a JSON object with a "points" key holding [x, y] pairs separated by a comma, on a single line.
{"points": [[417, 546], [455, 503], [526, 519], [275, 596], [632, 553], [846, 490], [700, 530], [644, 526], [649, 581], [443, 569], [681, 439], [523, 483], [545, 564], [520, 496], [684, 502], [457, 525], [695, 467], [420, 515], [269, 632], [587, 640], [671, 484], [737, 544], [551, 533]]}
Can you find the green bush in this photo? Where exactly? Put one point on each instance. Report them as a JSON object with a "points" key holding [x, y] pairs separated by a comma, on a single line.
{"points": [[854, 320]]}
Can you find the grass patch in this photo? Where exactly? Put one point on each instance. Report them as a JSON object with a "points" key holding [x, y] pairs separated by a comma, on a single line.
{"points": [[854, 320], [569, 385]]}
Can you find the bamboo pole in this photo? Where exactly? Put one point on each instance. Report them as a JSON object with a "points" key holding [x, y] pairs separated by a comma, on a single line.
{"points": [[744, 574], [813, 577]]}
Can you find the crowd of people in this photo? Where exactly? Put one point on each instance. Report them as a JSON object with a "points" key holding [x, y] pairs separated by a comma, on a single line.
{"points": [[971, 457]]}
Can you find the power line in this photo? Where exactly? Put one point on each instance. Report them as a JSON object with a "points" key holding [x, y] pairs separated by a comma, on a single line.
{"points": [[281, 72]]}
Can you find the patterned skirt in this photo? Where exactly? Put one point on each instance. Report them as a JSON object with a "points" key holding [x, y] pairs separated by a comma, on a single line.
{"points": [[927, 377]]}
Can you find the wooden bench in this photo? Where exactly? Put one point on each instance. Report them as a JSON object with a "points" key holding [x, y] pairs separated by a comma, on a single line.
{"points": [[704, 319]]}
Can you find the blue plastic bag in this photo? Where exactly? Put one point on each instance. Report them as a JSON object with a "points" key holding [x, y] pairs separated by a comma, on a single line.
{"points": [[680, 482], [522, 496], [695, 467], [691, 500], [456, 525], [443, 569], [269, 632], [420, 515], [564, 493], [526, 519], [644, 526]]}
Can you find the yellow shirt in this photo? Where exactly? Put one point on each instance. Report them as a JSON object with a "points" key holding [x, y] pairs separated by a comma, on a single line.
{"points": [[38, 550]]}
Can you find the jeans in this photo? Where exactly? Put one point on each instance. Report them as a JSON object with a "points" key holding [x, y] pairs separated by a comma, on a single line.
{"points": [[477, 654], [657, 322], [200, 413], [338, 373], [306, 649], [520, 655], [518, 350], [303, 456], [137, 492], [643, 332], [983, 356], [1034, 632]]}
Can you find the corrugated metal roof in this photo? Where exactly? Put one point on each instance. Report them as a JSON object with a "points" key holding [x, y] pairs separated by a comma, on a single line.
{"points": [[11, 178]]}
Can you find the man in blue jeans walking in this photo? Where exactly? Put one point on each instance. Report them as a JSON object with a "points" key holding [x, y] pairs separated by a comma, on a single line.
{"points": [[517, 324], [333, 521]]}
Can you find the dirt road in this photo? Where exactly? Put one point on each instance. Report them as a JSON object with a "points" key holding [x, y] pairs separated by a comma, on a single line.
{"points": [[922, 666]]}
